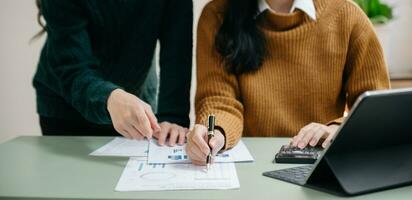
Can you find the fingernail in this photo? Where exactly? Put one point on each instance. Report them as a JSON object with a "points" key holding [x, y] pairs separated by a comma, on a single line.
{"points": [[312, 143], [301, 145]]}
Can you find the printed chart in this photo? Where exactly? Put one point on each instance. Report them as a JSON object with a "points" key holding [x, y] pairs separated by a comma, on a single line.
{"points": [[140, 176], [177, 154]]}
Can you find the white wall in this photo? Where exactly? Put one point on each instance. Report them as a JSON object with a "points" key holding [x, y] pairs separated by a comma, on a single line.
{"points": [[399, 47], [18, 60]]}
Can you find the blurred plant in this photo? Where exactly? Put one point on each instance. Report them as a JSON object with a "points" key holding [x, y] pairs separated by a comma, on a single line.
{"points": [[378, 12]]}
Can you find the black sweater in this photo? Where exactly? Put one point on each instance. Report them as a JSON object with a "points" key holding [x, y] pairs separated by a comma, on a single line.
{"points": [[94, 47]]}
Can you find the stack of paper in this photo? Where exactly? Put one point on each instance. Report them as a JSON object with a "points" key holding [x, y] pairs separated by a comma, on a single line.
{"points": [[154, 167]]}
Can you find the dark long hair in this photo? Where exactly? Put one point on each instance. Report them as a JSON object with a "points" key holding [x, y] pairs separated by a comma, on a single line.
{"points": [[239, 40], [39, 21]]}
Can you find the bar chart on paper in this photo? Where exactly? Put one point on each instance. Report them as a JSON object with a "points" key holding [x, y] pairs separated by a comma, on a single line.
{"points": [[140, 176], [177, 154]]}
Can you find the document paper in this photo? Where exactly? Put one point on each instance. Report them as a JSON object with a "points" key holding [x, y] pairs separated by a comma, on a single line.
{"points": [[140, 176], [177, 154], [123, 147]]}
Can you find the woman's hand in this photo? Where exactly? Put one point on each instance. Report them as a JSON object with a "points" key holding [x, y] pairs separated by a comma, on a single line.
{"points": [[174, 132], [197, 148], [313, 133], [131, 117]]}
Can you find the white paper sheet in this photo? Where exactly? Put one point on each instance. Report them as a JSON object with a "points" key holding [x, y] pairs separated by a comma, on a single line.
{"points": [[123, 147], [177, 154], [140, 176]]}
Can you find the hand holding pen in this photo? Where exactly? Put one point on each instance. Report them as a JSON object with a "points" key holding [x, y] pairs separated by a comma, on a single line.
{"points": [[200, 145]]}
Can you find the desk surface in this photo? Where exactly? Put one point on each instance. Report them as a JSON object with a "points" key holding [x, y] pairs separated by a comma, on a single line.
{"points": [[60, 168]]}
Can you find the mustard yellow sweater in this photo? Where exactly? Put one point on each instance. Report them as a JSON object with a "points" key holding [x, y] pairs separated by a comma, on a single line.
{"points": [[314, 69]]}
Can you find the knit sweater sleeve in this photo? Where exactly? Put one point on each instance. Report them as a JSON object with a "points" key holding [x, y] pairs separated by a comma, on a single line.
{"points": [[365, 67], [217, 91]]}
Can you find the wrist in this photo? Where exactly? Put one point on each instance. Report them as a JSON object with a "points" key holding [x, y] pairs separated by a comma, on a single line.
{"points": [[113, 95]]}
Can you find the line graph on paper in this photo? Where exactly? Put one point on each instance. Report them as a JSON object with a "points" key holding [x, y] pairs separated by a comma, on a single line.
{"points": [[215, 172], [155, 175], [138, 175]]}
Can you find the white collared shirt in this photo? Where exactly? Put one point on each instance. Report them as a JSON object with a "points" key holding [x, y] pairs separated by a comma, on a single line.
{"points": [[307, 6]]}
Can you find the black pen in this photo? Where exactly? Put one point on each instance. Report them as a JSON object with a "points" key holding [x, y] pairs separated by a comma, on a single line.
{"points": [[210, 134]]}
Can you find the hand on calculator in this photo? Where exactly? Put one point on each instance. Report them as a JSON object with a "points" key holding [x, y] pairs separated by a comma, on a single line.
{"points": [[314, 133], [305, 147]]}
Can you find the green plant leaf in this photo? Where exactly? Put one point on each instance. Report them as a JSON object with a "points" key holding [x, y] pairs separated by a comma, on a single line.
{"points": [[379, 20], [386, 11], [377, 11], [374, 8], [363, 4]]}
